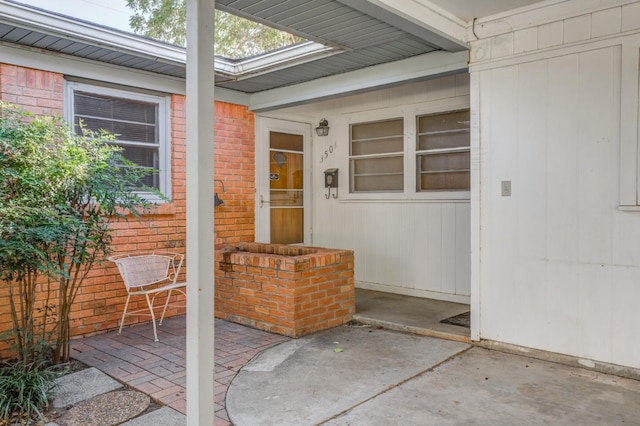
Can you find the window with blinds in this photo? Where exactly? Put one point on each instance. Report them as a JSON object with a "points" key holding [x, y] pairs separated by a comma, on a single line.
{"points": [[443, 152], [136, 119], [377, 156]]}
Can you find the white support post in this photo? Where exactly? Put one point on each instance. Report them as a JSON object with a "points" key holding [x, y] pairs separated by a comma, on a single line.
{"points": [[200, 239], [476, 231]]}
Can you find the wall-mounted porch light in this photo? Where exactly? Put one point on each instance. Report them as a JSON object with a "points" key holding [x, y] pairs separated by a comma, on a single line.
{"points": [[323, 128], [217, 201]]}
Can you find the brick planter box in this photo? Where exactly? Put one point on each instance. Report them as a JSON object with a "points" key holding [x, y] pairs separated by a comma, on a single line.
{"points": [[290, 290]]}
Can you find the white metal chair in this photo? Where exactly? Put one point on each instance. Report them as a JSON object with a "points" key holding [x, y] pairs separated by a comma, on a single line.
{"points": [[149, 274]]}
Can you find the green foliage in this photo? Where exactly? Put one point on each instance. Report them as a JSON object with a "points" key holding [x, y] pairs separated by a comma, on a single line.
{"points": [[235, 37], [59, 191], [25, 390]]}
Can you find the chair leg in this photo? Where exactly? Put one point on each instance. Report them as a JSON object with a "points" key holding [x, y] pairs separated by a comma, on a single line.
{"points": [[124, 313], [153, 318], [166, 304]]}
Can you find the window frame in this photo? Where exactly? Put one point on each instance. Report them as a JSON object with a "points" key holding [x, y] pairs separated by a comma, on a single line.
{"points": [[386, 155], [409, 113], [163, 103], [450, 150]]}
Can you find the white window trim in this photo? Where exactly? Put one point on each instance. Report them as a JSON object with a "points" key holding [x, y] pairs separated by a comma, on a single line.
{"points": [[444, 151], [164, 127], [384, 155], [629, 129], [410, 122]]}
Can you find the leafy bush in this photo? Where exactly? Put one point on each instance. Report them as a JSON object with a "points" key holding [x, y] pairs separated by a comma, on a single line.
{"points": [[26, 390], [59, 191]]}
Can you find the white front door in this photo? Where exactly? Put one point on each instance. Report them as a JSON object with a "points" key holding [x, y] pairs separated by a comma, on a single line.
{"points": [[283, 182]]}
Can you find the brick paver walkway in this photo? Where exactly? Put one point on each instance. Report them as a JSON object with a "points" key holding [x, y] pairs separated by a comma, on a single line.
{"points": [[158, 368]]}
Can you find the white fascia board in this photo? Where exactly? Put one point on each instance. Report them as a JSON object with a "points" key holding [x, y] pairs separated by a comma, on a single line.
{"points": [[420, 18], [31, 57], [225, 66], [283, 58], [379, 76], [231, 96], [108, 73], [80, 31]]}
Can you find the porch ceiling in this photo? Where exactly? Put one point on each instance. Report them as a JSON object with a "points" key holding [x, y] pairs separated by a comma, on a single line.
{"points": [[346, 35]]}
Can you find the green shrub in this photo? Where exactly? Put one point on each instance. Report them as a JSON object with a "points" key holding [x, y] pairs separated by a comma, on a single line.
{"points": [[26, 390], [60, 190]]}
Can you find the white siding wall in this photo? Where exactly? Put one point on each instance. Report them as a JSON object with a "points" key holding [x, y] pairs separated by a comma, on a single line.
{"points": [[407, 244], [558, 262]]}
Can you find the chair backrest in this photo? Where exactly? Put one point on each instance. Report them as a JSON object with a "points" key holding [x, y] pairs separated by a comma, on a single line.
{"points": [[146, 269]]}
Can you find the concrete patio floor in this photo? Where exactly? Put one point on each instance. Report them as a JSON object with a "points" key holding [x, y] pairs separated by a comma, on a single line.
{"points": [[410, 314], [364, 375], [370, 376]]}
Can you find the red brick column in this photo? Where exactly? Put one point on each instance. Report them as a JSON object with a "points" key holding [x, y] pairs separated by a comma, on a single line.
{"points": [[285, 289]]}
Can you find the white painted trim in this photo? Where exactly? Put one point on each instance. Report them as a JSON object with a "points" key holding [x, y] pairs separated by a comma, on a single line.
{"points": [[100, 71], [629, 185], [445, 197], [85, 68], [548, 53], [476, 213], [164, 126], [629, 208], [380, 76], [538, 14], [282, 59], [231, 96], [441, 28], [408, 113], [264, 125], [456, 298], [81, 31]]}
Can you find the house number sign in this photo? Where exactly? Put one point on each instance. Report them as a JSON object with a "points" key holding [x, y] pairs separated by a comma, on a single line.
{"points": [[327, 152]]}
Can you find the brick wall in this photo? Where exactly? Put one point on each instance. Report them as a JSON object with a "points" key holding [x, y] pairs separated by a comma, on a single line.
{"points": [[282, 289], [100, 300], [40, 92]]}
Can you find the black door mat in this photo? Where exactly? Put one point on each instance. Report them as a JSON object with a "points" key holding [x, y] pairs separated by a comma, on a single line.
{"points": [[461, 320]]}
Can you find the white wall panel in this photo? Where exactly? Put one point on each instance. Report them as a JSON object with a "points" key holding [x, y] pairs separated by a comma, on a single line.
{"points": [[561, 163], [409, 231], [562, 307], [530, 193], [462, 267], [433, 242], [625, 315], [595, 311], [409, 244], [597, 153], [448, 248], [559, 263]]}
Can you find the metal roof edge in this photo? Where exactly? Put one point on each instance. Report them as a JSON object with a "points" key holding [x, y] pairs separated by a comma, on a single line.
{"points": [[83, 31], [70, 28]]}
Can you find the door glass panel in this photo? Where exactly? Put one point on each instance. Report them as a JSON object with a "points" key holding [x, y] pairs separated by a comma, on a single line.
{"points": [[286, 183]]}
